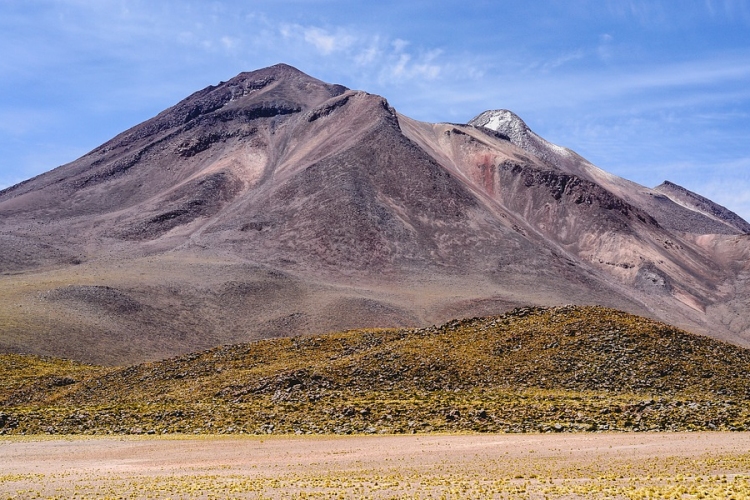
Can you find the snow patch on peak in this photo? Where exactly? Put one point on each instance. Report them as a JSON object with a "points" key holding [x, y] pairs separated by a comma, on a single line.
{"points": [[510, 124], [503, 121], [554, 147]]}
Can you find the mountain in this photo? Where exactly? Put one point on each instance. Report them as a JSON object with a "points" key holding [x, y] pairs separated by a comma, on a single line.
{"points": [[275, 204]]}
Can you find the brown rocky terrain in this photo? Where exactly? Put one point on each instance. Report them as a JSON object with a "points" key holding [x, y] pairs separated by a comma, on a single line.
{"points": [[561, 369], [276, 204]]}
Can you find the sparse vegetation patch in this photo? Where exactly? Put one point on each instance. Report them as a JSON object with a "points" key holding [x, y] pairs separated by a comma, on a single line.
{"points": [[564, 369]]}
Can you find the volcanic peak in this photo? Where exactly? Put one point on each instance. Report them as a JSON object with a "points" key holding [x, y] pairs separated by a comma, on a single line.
{"points": [[511, 125], [503, 121], [297, 185]]}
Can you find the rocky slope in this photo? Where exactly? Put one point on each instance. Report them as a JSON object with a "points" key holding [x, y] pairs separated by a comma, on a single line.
{"points": [[533, 369], [705, 207], [276, 204]]}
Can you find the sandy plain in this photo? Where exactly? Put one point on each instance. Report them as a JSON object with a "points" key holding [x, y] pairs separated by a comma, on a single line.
{"points": [[608, 465]]}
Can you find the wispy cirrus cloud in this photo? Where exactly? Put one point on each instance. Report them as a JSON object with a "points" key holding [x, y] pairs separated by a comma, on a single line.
{"points": [[555, 62], [389, 60], [402, 65], [643, 87], [729, 184], [325, 41], [729, 9]]}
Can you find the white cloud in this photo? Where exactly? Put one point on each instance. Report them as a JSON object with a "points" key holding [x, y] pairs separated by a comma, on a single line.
{"points": [[730, 9], [696, 72], [323, 40], [562, 60], [399, 69], [229, 42], [369, 54], [428, 71], [399, 45], [108, 62], [404, 66], [645, 12], [645, 88], [427, 67], [372, 55]]}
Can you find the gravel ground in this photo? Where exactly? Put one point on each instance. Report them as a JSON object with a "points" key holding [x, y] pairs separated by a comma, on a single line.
{"points": [[604, 465]]}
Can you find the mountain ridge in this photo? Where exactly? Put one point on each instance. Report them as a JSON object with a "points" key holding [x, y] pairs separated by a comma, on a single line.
{"points": [[701, 204], [276, 204]]}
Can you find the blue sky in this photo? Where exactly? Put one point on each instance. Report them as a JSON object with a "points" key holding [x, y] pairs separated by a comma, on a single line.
{"points": [[648, 90]]}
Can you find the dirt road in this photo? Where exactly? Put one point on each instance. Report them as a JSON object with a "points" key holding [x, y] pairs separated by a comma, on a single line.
{"points": [[428, 466]]}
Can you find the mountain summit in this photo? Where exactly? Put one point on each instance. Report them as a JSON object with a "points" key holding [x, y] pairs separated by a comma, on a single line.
{"points": [[275, 204]]}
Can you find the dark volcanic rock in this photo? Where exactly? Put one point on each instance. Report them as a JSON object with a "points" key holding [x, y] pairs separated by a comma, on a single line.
{"points": [[704, 206]]}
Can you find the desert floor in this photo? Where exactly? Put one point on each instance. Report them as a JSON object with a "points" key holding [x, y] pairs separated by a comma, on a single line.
{"points": [[634, 465]]}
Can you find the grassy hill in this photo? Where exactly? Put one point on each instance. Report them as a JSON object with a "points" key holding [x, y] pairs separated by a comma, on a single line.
{"points": [[531, 370]]}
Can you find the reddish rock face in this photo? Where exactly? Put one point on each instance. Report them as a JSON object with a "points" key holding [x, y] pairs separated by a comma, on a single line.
{"points": [[276, 204]]}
